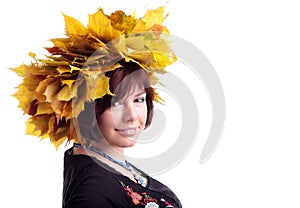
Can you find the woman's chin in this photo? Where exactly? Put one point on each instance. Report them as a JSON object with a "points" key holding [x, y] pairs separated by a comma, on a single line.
{"points": [[130, 142]]}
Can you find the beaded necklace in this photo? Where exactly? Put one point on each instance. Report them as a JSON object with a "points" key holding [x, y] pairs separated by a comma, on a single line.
{"points": [[139, 179]]}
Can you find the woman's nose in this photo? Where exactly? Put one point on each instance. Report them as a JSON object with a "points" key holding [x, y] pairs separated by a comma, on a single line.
{"points": [[130, 113]]}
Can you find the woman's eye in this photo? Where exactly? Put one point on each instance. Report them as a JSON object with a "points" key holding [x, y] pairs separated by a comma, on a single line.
{"points": [[115, 104], [140, 100]]}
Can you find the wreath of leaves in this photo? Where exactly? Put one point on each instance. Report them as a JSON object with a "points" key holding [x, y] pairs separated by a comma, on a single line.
{"points": [[54, 89]]}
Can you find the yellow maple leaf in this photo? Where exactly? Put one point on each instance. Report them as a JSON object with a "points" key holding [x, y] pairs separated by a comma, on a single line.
{"points": [[38, 125], [97, 86], [151, 18], [58, 141], [103, 87], [44, 108], [20, 70], [30, 130], [100, 26], [24, 97], [67, 92], [74, 27], [60, 42]]}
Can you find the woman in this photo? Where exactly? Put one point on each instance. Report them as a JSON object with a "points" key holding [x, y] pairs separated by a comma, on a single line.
{"points": [[94, 89], [96, 173]]}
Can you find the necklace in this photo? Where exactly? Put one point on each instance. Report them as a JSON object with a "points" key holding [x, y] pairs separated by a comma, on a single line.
{"points": [[139, 179]]}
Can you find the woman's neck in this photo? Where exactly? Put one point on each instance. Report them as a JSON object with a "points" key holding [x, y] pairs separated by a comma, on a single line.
{"points": [[116, 153]]}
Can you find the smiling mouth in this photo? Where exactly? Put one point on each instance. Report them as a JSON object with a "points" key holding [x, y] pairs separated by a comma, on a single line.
{"points": [[127, 132]]}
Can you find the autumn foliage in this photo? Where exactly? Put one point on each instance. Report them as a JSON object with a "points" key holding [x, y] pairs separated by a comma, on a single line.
{"points": [[54, 89]]}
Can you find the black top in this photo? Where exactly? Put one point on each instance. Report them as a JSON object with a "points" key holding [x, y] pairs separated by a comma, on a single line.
{"points": [[90, 183]]}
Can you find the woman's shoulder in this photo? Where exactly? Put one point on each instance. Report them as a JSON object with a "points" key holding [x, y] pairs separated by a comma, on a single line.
{"points": [[84, 164], [87, 183]]}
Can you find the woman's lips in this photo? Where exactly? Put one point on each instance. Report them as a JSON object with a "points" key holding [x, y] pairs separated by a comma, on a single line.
{"points": [[127, 132]]}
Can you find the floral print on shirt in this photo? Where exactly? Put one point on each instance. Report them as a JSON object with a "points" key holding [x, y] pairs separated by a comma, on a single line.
{"points": [[144, 198]]}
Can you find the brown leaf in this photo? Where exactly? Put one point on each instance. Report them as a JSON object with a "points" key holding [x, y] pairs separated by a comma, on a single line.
{"points": [[51, 91]]}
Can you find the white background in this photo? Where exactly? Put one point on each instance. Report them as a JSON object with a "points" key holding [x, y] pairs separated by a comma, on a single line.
{"points": [[254, 47]]}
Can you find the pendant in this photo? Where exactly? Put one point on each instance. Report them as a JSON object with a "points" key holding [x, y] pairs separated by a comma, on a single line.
{"points": [[140, 180], [151, 205]]}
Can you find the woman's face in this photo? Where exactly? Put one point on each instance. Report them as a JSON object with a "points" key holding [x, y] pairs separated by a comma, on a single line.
{"points": [[124, 120]]}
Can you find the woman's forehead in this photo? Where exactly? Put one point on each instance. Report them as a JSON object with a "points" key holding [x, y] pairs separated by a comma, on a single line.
{"points": [[133, 92]]}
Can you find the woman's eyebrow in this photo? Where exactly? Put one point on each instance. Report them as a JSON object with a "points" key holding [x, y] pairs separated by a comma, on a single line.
{"points": [[141, 93]]}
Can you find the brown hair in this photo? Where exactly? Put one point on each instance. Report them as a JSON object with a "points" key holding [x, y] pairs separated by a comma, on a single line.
{"points": [[123, 81]]}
